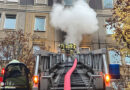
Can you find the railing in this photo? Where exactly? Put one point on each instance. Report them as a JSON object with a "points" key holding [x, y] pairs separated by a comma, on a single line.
{"points": [[45, 67], [97, 67], [96, 60], [46, 61]]}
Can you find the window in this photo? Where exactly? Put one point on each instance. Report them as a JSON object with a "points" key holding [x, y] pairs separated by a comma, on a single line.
{"points": [[50, 2], [39, 24], [26, 2], [108, 3], [5, 54], [12, 0], [2, 57], [10, 22], [58, 1], [17, 74], [114, 57], [68, 2], [35, 49], [95, 4], [84, 49], [109, 30], [127, 60], [40, 1]]}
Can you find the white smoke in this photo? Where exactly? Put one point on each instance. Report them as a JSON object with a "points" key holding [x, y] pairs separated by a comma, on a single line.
{"points": [[75, 21]]}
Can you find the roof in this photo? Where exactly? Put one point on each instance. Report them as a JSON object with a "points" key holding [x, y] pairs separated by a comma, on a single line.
{"points": [[14, 61]]}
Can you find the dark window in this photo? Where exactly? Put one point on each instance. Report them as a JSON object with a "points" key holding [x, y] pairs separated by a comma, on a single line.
{"points": [[26, 2], [59, 1], [50, 2], [63, 35], [95, 4]]}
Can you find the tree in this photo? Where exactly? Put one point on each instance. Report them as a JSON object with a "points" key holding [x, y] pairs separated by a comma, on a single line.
{"points": [[16, 45], [120, 20]]}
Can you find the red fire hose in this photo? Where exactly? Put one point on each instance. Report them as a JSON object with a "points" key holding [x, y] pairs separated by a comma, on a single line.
{"points": [[67, 83]]}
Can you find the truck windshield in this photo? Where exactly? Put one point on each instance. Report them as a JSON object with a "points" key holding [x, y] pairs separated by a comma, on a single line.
{"points": [[16, 75]]}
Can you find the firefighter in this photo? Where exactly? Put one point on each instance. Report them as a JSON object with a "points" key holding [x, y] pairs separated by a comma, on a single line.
{"points": [[61, 46], [74, 46], [66, 47], [71, 46], [71, 52]]}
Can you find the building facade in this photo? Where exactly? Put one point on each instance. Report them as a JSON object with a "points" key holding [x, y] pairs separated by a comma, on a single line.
{"points": [[33, 16], [102, 38]]}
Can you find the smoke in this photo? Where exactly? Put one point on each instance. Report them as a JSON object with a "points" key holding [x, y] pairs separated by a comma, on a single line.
{"points": [[75, 21]]}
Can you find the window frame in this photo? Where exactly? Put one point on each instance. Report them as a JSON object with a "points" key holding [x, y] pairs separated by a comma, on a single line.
{"points": [[44, 24], [5, 28]]}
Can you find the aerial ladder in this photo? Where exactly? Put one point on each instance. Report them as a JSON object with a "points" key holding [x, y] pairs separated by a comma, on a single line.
{"points": [[91, 71]]}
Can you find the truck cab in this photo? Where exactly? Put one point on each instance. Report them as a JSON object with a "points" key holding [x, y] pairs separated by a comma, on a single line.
{"points": [[16, 76]]}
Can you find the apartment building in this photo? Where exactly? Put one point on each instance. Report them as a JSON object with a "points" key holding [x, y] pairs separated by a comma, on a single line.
{"points": [[33, 16]]}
